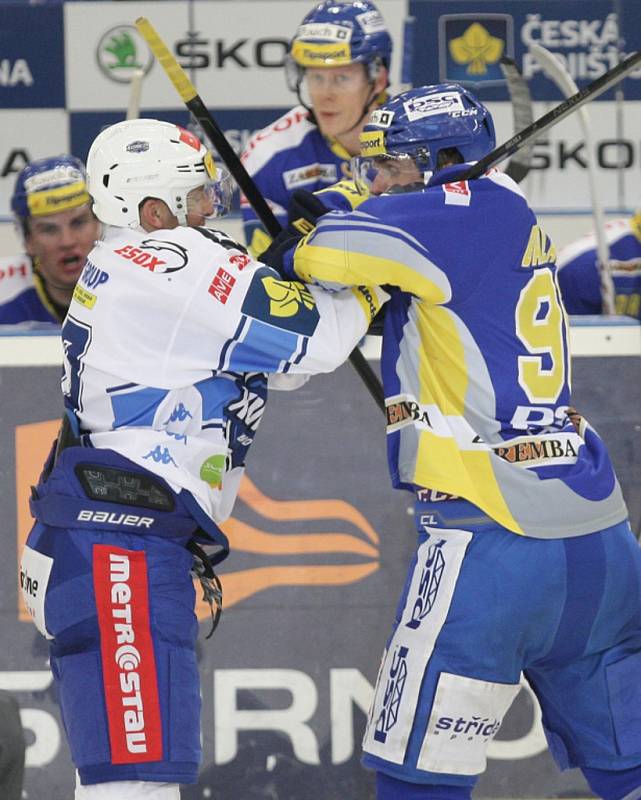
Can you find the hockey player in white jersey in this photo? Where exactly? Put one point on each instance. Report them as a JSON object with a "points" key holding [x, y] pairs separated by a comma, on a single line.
{"points": [[170, 337]]}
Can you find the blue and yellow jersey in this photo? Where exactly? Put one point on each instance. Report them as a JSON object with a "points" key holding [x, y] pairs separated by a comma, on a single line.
{"points": [[579, 275], [289, 154], [23, 297], [475, 352]]}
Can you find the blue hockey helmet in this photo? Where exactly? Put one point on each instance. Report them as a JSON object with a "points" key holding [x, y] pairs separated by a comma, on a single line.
{"points": [[336, 33], [417, 125], [49, 185]]}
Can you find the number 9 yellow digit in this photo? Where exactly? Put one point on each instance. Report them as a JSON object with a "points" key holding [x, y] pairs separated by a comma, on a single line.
{"points": [[541, 331]]}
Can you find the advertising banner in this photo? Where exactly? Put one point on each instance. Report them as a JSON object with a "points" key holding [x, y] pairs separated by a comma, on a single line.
{"points": [[320, 548], [463, 42], [25, 135], [234, 53], [32, 66]]}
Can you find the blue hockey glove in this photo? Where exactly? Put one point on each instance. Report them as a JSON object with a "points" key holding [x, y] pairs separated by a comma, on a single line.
{"points": [[280, 254]]}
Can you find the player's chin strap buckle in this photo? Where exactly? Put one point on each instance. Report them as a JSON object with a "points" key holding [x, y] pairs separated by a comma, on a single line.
{"points": [[209, 582]]}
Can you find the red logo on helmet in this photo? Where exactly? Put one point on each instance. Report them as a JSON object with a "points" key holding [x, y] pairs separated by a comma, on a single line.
{"points": [[189, 138]]}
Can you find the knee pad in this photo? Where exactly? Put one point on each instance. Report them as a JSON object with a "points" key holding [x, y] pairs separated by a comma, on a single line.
{"points": [[388, 788], [608, 784], [127, 790]]}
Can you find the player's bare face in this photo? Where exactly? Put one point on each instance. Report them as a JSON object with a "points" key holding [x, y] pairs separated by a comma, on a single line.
{"points": [[395, 173], [338, 96], [60, 243]]}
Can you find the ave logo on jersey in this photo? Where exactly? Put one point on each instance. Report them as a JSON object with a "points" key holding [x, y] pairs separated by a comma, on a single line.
{"points": [[156, 255], [221, 286]]}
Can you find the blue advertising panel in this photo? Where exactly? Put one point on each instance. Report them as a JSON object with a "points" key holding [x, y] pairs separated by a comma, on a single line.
{"points": [[464, 42], [32, 63]]}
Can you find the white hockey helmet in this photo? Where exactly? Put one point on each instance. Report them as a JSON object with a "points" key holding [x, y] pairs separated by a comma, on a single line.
{"points": [[140, 158]]}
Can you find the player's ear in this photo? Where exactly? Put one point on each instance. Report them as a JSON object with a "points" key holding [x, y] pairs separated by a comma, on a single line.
{"points": [[154, 214], [382, 80]]}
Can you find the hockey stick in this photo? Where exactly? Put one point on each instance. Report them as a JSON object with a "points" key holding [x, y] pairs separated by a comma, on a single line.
{"points": [[135, 89], [522, 115], [194, 103], [564, 109], [562, 78]]}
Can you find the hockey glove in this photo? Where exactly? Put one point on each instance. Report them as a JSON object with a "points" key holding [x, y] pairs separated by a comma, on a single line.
{"points": [[280, 254], [304, 211]]}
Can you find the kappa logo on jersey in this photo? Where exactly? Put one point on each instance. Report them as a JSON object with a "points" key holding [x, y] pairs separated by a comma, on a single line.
{"points": [[161, 455], [428, 585], [171, 256], [286, 304], [220, 288], [310, 173], [396, 681]]}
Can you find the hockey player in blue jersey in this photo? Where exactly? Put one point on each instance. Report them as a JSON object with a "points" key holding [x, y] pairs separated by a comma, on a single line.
{"points": [[526, 564], [579, 275], [53, 216], [338, 65], [170, 338]]}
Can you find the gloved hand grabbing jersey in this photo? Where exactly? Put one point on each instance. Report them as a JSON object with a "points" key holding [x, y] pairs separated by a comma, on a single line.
{"points": [[303, 213]]}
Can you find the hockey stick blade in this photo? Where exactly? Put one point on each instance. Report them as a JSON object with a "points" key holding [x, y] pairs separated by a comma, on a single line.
{"points": [[522, 114], [216, 136], [564, 109]]}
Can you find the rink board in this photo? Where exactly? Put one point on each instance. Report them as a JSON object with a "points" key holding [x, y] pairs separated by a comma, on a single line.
{"points": [[287, 678]]}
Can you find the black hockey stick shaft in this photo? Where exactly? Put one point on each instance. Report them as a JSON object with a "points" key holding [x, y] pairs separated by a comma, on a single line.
{"points": [[560, 112], [194, 103]]}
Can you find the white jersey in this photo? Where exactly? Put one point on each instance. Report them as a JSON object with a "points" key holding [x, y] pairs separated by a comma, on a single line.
{"points": [[168, 343]]}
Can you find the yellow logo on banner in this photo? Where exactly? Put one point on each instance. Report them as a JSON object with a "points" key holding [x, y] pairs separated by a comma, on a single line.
{"points": [[476, 48], [286, 297]]}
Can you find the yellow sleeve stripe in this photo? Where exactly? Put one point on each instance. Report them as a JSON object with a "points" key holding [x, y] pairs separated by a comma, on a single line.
{"points": [[367, 300], [330, 265]]}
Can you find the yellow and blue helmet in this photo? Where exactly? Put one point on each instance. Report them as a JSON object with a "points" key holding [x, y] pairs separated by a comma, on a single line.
{"points": [[336, 33], [49, 185], [419, 124]]}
